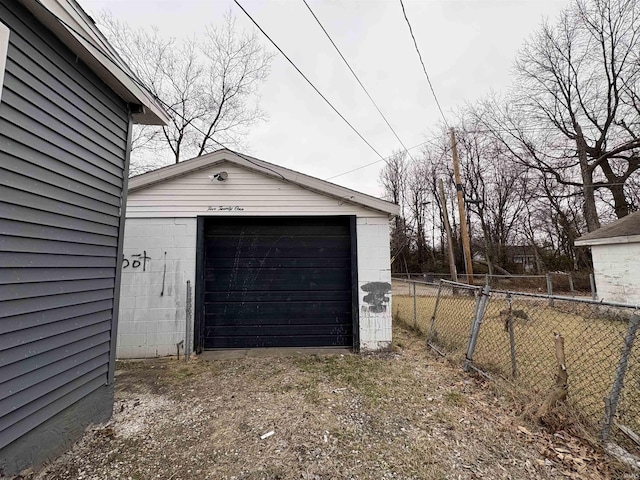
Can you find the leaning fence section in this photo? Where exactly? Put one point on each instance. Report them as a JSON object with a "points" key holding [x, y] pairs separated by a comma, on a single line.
{"points": [[513, 335]]}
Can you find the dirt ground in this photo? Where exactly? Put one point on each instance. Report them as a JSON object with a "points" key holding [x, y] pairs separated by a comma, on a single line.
{"points": [[398, 415]]}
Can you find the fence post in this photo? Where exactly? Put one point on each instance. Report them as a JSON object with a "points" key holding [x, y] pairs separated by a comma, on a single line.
{"points": [[433, 317], [592, 282], [549, 289], [475, 326], [512, 339], [611, 402], [415, 308], [571, 289], [187, 333]]}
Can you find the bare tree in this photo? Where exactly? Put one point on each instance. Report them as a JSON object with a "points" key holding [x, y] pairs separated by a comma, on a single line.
{"points": [[578, 79], [495, 188], [393, 179], [208, 86], [417, 195]]}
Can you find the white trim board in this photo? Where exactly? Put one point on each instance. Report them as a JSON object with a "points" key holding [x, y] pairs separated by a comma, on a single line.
{"points": [[67, 20], [322, 187], [608, 241], [4, 47]]}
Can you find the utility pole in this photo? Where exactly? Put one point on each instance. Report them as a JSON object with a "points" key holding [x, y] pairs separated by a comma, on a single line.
{"points": [[447, 226], [464, 232]]}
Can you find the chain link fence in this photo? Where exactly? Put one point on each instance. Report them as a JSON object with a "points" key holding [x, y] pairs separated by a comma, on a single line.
{"points": [[565, 283], [514, 336]]}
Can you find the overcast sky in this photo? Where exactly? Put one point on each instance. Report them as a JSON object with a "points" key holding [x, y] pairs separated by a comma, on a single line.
{"points": [[468, 48]]}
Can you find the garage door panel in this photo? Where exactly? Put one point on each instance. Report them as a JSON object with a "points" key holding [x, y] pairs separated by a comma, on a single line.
{"points": [[249, 297], [304, 227], [264, 341], [281, 262], [283, 240], [277, 251], [276, 279], [277, 330], [276, 282], [236, 313]]}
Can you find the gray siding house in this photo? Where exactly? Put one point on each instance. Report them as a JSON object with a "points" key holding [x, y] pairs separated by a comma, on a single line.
{"points": [[67, 104]]}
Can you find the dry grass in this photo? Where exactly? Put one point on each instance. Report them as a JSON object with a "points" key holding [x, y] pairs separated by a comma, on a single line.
{"points": [[593, 342], [403, 414]]}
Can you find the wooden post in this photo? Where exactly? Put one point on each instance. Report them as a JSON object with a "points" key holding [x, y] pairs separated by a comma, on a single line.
{"points": [[447, 225], [415, 308], [558, 393], [571, 289], [464, 232]]}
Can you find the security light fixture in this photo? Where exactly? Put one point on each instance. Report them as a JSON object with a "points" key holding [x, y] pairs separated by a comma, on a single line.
{"points": [[221, 177]]}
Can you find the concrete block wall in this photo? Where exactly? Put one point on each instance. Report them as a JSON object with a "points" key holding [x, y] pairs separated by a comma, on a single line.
{"points": [[159, 258], [374, 282], [616, 272]]}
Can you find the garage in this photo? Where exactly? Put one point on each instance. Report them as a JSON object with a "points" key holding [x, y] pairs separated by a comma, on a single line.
{"points": [[277, 282], [227, 251]]}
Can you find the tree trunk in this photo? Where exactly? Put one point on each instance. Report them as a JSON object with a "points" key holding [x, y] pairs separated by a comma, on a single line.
{"points": [[589, 208], [616, 186]]}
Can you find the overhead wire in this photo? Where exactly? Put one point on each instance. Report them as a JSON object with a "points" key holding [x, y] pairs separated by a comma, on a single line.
{"points": [[120, 62], [447, 148], [307, 79], [110, 55], [357, 78], [424, 68], [115, 58]]}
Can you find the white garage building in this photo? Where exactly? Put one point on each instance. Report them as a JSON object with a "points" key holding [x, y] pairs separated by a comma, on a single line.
{"points": [[615, 250], [276, 259]]}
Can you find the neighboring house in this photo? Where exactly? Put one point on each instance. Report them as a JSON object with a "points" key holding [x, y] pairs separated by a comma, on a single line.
{"points": [[276, 259], [66, 111], [615, 250], [523, 256]]}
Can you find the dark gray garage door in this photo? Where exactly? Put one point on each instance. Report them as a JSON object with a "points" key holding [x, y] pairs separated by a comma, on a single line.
{"points": [[277, 282]]}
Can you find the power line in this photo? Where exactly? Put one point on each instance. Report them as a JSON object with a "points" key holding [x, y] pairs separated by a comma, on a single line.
{"points": [[378, 161], [110, 55], [424, 69], [357, 78], [307, 79], [119, 61]]}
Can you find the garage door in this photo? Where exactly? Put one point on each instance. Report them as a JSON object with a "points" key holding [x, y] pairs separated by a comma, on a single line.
{"points": [[277, 282]]}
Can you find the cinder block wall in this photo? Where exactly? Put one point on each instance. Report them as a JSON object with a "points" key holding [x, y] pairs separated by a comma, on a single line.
{"points": [[374, 283], [159, 258], [616, 273]]}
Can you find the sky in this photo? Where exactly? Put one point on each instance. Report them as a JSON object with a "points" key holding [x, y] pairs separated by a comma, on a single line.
{"points": [[468, 47]]}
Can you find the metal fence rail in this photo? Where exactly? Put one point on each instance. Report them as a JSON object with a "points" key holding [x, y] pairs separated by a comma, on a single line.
{"points": [[550, 283], [511, 335]]}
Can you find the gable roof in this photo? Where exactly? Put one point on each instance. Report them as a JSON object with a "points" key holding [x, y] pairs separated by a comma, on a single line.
{"points": [[624, 230], [323, 187], [71, 24]]}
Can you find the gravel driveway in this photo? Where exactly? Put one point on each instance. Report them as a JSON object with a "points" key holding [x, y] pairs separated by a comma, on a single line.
{"points": [[402, 414]]}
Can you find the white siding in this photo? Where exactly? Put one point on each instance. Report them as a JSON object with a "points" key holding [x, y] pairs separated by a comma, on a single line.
{"points": [[244, 193], [161, 224], [616, 272]]}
